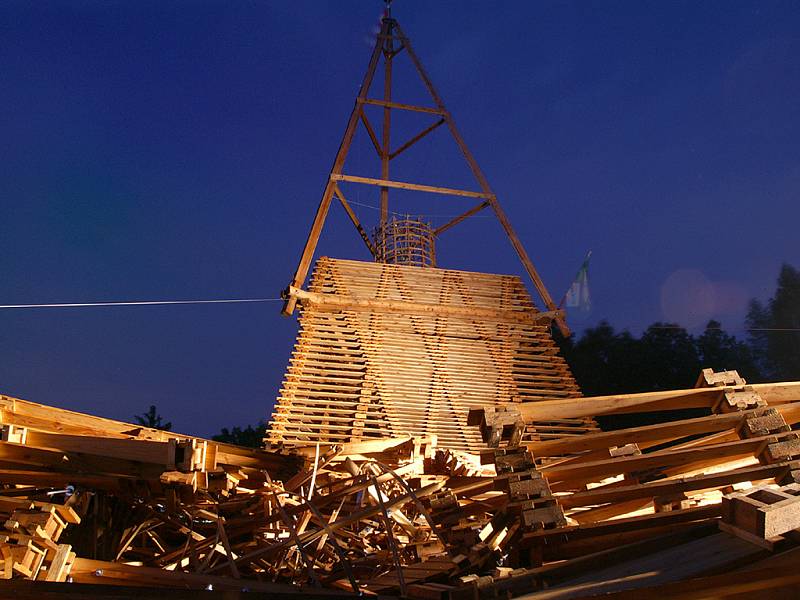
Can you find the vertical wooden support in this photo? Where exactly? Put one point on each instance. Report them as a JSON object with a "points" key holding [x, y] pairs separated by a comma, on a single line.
{"points": [[388, 51]]}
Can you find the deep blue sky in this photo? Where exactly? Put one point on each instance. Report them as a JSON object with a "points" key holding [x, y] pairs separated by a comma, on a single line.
{"points": [[175, 150]]}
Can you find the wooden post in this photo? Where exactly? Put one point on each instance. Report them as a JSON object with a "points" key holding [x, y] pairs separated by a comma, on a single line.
{"points": [[387, 119]]}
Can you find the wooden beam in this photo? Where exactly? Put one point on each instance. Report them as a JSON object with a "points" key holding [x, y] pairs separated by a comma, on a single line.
{"points": [[72, 462], [666, 487], [40, 417], [387, 121], [371, 132], [637, 435], [336, 302], [771, 393], [659, 432], [411, 107], [416, 138], [354, 219], [475, 209], [734, 583], [85, 570], [596, 470], [146, 451], [589, 530], [402, 185]]}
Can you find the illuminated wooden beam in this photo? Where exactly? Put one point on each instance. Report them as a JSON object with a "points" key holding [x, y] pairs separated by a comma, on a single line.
{"points": [[771, 393], [336, 302], [402, 185]]}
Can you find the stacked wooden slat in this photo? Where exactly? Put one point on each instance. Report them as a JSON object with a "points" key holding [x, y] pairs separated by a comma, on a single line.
{"points": [[59, 447], [387, 350], [604, 512]]}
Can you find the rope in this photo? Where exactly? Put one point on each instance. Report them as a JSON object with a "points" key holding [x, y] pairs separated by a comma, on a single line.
{"points": [[722, 329], [257, 300], [140, 303]]}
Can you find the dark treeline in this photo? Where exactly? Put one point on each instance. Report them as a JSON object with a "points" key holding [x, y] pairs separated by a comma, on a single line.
{"points": [[252, 437], [775, 329], [666, 356]]}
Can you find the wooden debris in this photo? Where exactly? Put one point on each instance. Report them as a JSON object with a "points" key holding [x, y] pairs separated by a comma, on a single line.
{"points": [[763, 511], [428, 442], [98, 501]]}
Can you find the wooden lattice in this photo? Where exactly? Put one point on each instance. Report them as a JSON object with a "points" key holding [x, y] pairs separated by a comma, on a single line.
{"points": [[405, 242], [385, 350]]}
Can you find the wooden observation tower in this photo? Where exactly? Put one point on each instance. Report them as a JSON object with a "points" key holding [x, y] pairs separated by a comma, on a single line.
{"points": [[399, 345]]}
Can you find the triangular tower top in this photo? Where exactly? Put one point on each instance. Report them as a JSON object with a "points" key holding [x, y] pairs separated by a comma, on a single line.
{"points": [[390, 42]]}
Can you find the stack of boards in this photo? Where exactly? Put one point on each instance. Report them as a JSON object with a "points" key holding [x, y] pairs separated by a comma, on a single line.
{"points": [[683, 508], [388, 350]]}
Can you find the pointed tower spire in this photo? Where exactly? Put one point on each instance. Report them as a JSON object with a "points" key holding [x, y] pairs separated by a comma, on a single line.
{"points": [[391, 41]]}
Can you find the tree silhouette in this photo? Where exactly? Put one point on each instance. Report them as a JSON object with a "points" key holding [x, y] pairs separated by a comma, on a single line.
{"points": [[251, 437], [601, 360], [775, 328], [152, 419], [669, 358], [723, 352]]}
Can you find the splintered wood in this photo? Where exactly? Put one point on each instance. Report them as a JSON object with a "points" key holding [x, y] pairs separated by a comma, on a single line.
{"points": [[95, 501], [387, 350]]}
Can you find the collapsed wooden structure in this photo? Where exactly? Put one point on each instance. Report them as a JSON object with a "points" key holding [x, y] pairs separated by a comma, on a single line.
{"points": [[95, 501], [428, 443]]}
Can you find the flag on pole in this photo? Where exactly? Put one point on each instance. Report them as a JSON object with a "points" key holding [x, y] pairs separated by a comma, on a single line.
{"points": [[577, 295]]}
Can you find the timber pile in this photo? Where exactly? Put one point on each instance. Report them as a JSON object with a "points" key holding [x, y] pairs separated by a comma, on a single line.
{"points": [[613, 512], [378, 486], [385, 350]]}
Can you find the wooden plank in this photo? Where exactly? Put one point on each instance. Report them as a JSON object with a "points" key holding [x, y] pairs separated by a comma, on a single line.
{"points": [[147, 451], [415, 139], [404, 307], [403, 185], [772, 393], [387, 120], [371, 132], [400, 106], [474, 210], [595, 470], [657, 432], [666, 487]]}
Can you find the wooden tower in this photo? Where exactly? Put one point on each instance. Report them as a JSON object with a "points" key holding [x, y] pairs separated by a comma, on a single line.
{"points": [[399, 346]]}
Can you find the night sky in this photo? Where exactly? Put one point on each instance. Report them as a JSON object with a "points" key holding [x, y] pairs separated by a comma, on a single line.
{"points": [[178, 150]]}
